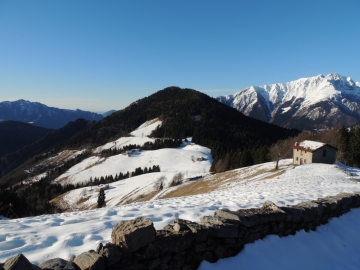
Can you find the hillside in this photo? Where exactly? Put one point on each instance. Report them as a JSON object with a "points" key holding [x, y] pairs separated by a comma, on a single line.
{"points": [[41, 115], [28, 154], [189, 113], [12, 135], [317, 102], [65, 234]]}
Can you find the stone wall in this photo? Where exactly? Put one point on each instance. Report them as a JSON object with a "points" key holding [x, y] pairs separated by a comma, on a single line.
{"points": [[184, 244]]}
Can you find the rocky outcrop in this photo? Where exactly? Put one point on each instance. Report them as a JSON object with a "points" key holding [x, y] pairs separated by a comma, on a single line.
{"points": [[130, 235], [90, 260], [184, 244], [57, 264], [17, 262]]}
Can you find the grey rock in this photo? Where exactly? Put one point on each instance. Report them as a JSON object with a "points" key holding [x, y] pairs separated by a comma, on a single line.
{"points": [[131, 235], [255, 216], [99, 248], [90, 260], [219, 227], [199, 230], [57, 264], [294, 214], [168, 242], [111, 253], [311, 210], [17, 262], [168, 228]]}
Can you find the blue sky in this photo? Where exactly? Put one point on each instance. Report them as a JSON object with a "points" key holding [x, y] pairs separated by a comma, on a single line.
{"points": [[102, 55]]}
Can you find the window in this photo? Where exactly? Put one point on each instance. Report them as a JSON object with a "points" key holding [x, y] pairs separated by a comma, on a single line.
{"points": [[324, 153], [297, 158]]}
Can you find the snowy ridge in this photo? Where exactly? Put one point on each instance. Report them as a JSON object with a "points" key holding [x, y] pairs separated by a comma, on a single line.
{"points": [[303, 98]]}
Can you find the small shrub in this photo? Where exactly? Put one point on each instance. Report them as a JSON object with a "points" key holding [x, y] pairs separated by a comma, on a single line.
{"points": [[176, 180]]}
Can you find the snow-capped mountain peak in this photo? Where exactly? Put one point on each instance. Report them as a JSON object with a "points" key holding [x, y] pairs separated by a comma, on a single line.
{"points": [[307, 103]]}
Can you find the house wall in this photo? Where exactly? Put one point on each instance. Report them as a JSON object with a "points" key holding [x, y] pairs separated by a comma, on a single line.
{"points": [[300, 156], [330, 155]]}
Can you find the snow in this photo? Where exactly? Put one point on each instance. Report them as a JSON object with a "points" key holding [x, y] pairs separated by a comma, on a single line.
{"points": [[332, 246], [122, 142], [310, 91], [62, 235], [170, 161], [284, 110], [146, 128], [311, 145]]}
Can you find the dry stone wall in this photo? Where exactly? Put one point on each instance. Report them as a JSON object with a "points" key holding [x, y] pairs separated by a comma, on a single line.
{"points": [[185, 244]]}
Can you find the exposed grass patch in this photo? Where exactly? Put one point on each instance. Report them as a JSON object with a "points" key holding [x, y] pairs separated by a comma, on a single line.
{"points": [[83, 199], [142, 197], [275, 174]]}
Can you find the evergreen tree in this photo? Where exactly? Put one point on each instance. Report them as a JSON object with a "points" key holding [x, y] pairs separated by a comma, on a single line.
{"points": [[101, 198]]}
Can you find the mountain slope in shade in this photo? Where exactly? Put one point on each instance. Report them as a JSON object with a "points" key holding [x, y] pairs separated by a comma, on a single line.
{"points": [[12, 135], [307, 103], [42, 115], [50, 142]]}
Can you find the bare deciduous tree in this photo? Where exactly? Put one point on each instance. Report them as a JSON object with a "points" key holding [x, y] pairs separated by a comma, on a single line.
{"points": [[159, 183], [176, 180]]}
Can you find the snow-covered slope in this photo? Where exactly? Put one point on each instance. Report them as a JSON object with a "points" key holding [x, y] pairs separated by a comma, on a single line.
{"points": [[42, 115], [62, 235], [171, 162], [307, 103], [190, 159]]}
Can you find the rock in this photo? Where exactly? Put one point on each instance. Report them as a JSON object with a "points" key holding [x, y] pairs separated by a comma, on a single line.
{"points": [[209, 257], [219, 252], [57, 264], [90, 260], [35, 267], [312, 210], [99, 248], [219, 227], [154, 264], [111, 254], [199, 230], [168, 242], [168, 228], [200, 247], [17, 262], [131, 235], [294, 214], [254, 216]]}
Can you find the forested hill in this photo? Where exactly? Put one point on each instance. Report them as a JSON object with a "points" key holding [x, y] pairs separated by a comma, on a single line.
{"points": [[14, 135], [50, 142], [186, 112]]}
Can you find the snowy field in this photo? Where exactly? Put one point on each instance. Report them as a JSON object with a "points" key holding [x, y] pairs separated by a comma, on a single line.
{"points": [[63, 235]]}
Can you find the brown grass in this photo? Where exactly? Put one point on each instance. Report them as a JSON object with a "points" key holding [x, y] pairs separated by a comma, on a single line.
{"points": [[84, 199], [142, 198]]}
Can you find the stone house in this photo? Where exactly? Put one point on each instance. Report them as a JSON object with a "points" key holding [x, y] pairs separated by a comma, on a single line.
{"points": [[313, 152]]}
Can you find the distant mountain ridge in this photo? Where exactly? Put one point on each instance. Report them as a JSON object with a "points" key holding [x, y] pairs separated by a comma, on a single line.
{"points": [[309, 103], [42, 115]]}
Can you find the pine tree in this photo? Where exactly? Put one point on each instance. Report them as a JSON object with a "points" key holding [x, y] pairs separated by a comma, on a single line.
{"points": [[101, 198]]}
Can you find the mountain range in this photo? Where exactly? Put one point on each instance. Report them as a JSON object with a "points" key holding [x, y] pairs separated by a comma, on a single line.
{"points": [[318, 102], [41, 115]]}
